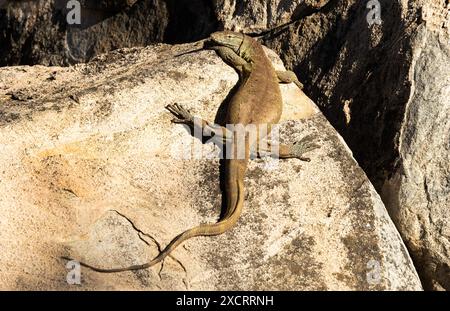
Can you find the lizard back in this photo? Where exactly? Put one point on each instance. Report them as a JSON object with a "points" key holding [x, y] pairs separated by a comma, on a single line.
{"points": [[258, 99]]}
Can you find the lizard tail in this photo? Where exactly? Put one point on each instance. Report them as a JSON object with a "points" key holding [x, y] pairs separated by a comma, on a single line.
{"points": [[234, 204]]}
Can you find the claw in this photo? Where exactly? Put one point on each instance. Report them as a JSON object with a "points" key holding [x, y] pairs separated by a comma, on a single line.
{"points": [[304, 145], [181, 114], [309, 147], [179, 121]]}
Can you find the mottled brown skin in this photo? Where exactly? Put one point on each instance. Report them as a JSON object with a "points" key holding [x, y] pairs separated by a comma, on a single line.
{"points": [[257, 101]]}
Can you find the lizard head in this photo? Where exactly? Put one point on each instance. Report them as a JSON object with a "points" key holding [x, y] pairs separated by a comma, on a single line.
{"points": [[230, 39]]}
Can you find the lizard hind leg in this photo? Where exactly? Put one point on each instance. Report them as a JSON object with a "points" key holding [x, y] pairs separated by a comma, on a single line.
{"points": [[283, 151], [297, 149]]}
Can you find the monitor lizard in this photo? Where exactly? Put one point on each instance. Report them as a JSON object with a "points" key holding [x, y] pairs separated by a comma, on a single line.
{"points": [[257, 101]]}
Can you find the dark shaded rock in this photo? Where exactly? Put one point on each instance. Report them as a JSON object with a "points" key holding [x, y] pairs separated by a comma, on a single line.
{"points": [[36, 32]]}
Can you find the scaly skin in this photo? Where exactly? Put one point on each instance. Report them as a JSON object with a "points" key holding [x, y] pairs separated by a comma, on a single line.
{"points": [[257, 101]]}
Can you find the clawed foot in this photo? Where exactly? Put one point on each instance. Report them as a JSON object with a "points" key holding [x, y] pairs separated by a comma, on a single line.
{"points": [[304, 145], [182, 115]]}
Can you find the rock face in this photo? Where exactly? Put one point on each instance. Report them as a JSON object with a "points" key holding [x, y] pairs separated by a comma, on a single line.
{"points": [[92, 168], [37, 32], [251, 15], [386, 90], [418, 192]]}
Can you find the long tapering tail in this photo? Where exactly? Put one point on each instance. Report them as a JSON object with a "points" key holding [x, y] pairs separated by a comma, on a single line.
{"points": [[235, 204]]}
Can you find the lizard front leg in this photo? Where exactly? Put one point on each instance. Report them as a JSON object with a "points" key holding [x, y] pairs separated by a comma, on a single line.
{"points": [[230, 57], [288, 77], [241, 65], [283, 151], [220, 134]]}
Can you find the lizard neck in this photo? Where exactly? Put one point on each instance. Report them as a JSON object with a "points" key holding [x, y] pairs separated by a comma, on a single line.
{"points": [[254, 54]]}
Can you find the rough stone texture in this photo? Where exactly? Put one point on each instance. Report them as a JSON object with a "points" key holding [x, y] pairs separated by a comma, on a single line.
{"points": [[418, 192], [250, 15], [36, 32], [385, 88], [91, 168]]}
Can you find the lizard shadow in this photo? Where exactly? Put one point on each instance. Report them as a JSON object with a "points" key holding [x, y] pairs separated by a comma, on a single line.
{"points": [[220, 119]]}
